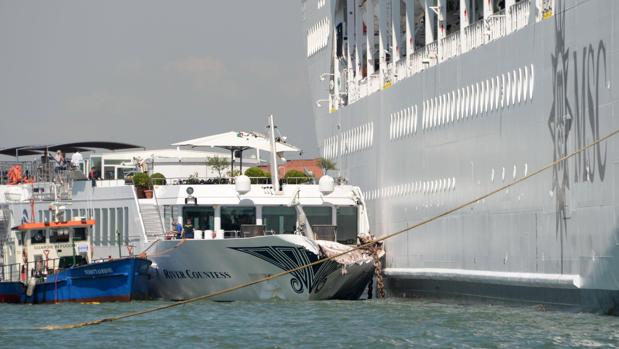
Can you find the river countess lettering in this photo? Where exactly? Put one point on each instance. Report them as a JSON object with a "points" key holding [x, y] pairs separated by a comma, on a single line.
{"points": [[191, 274]]}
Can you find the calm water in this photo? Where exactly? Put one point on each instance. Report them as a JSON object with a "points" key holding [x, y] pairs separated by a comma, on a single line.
{"points": [[326, 324]]}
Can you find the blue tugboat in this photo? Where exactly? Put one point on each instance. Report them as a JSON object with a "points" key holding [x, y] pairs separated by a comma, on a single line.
{"points": [[63, 269]]}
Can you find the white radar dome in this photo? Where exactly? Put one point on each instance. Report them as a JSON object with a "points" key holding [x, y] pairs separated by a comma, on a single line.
{"points": [[326, 184], [243, 184]]}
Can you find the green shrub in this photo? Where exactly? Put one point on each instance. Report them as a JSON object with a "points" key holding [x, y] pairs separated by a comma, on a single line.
{"points": [[294, 174], [141, 180], [255, 172], [157, 179]]}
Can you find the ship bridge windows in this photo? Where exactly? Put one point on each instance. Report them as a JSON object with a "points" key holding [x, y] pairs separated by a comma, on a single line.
{"points": [[321, 215], [201, 217], [79, 234], [347, 224], [232, 217], [279, 219], [37, 237], [58, 236]]}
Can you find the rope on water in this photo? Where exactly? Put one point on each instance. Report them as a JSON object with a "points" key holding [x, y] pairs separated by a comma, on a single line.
{"points": [[359, 247]]}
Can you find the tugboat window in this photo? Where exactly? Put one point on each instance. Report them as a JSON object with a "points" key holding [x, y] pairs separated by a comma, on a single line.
{"points": [[202, 217], [233, 217], [56, 236], [37, 237], [279, 219], [347, 225], [79, 234]]}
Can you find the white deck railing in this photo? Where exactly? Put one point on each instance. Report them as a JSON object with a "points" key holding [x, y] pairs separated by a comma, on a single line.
{"points": [[477, 34], [451, 45], [519, 15]]}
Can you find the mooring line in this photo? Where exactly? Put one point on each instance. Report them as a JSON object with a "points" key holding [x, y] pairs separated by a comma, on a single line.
{"points": [[356, 248]]}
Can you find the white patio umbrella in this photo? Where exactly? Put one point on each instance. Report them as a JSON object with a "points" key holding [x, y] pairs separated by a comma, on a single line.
{"points": [[238, 141]]}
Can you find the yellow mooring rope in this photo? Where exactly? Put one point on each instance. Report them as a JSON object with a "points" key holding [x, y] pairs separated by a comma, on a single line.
{"points": [[362, 246]]}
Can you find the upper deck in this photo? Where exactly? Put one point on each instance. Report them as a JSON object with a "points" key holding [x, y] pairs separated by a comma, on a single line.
{"points": [[358, 47]]}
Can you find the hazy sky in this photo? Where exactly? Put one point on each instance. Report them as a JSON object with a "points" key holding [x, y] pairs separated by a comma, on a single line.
{"points": [[151, 72]]}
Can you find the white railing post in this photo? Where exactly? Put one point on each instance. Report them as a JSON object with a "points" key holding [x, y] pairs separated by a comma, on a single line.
{"points": [[410, 31], [465, 21]]}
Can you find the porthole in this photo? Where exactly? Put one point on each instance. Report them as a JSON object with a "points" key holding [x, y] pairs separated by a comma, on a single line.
{"points": [[503, 174], [526, 169], [492, 176], [502, 90]]}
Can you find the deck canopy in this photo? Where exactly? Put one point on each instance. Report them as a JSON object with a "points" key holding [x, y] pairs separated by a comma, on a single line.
{"points": [[238, 141], [65, 147]]}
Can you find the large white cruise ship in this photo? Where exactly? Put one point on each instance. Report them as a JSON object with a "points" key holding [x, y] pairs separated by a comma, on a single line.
{"points": [[427, 104]]}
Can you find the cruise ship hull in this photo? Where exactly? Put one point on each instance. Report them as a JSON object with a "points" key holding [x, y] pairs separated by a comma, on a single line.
{"points": [[475, 122]]}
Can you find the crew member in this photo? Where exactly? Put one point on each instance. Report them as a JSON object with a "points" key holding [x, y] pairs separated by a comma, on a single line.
{"points": [[188, 230]]}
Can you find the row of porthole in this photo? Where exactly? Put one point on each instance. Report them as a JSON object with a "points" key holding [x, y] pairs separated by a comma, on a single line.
{"points": [[321, 4], [418, 187], [353, 140], [482, 97], [494, 175], [403, 123], [318, 36]]}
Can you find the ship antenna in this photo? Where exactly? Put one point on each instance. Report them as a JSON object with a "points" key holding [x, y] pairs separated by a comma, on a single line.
{"points": [[274, 175]]}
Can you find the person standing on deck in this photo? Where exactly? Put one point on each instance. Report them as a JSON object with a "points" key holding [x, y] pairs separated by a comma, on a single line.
{"points": [[188, 230]]}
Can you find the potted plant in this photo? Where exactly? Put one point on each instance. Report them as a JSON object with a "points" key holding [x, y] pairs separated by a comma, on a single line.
{"points": [[141, 181]]}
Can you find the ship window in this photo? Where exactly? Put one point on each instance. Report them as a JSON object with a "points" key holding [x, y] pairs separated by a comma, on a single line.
{"points": [[279, 219], [347, 224], [56, 236], [525, 84], [233, 217], [113, 231], [120, 224], [201, 217], [514, 86], [20, 235], [531, 82], [104, 227], [79, 234], [37, 237], [126, 223], [519, 84], [319, 215], [97, 226]]}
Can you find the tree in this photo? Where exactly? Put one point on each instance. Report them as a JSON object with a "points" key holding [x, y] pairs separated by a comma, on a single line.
{"points": [[326, 165], [218, 164]]}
